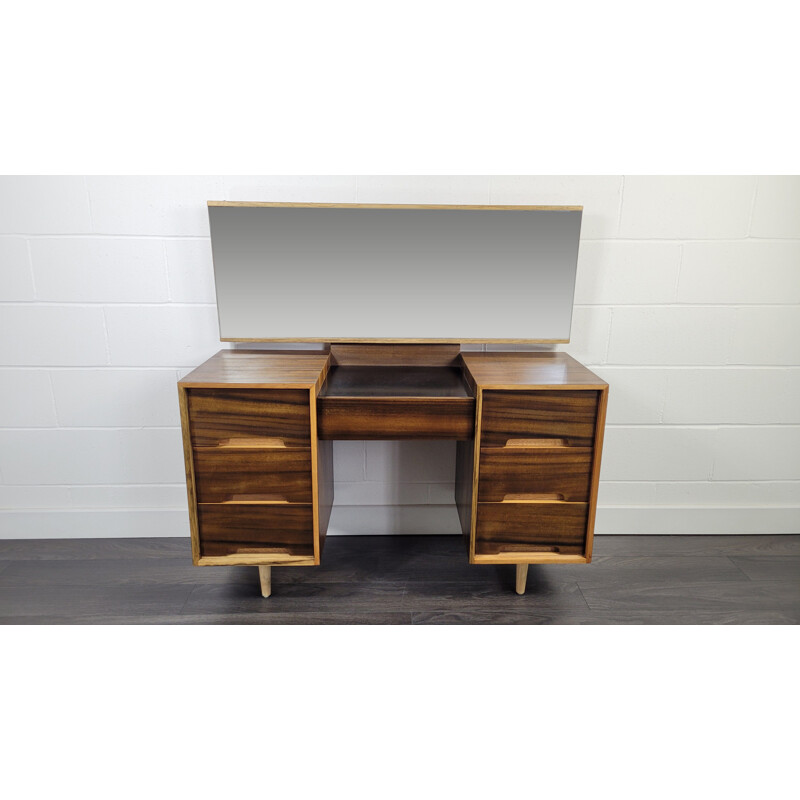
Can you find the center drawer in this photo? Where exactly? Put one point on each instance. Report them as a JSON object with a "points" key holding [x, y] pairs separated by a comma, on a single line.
{"points": [[239, 474], [518, 473]]}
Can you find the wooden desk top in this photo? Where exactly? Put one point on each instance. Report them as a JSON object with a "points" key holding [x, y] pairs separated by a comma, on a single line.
{"points": [[517, 370], [296, 369], [288, 369]]}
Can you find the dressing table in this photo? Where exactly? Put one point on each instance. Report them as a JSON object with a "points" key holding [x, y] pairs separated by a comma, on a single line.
{"points": [[258, 428]]}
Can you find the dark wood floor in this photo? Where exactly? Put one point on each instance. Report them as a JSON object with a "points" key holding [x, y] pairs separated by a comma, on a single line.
{"points": [[405, 579]]}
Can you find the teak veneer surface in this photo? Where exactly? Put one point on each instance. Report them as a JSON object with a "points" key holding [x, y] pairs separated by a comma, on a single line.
{"points": [[564, 472], [223, 416], [395, 355], [521, 370], [240, 475], [289, 368], [258, 424], [381, 418], [568, 417], [256, 530], [527, 527]]}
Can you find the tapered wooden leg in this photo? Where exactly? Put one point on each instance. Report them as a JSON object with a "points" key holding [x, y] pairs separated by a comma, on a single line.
{"points": [[265, 575], [522, 577]]}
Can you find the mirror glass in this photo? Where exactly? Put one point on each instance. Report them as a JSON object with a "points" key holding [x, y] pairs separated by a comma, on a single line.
{"points": [[305, 273]]}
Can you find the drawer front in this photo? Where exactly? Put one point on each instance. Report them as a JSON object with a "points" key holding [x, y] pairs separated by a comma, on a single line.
{"points": [[562, 473], [531, 527], [225, 415], [230, 529], [566, 418], [229, 474]]}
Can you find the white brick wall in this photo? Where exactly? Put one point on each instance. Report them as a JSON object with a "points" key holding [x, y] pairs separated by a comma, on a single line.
{"points": [[687, 302]]}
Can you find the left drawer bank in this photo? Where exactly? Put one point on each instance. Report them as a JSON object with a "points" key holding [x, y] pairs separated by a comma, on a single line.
{"points": [[259, 482]]}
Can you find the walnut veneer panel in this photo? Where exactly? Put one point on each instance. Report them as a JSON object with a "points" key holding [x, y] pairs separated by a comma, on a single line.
{"points": [[249, 474], [229, 530], [288, 368], [563, 473], [229, 414], [528, 527], [567, 417], [522, 370], [395, 418]]}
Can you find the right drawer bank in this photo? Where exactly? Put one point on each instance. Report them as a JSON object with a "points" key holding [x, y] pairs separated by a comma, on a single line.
{"points": [[535, 473]]}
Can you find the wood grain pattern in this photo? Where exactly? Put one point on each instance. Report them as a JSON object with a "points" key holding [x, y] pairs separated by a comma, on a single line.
{"points": [[564, 472], [256, 530], [465, 461], [229, 474], [475, 471], [253, 369], [188, 460], [522, 578], [265, 578], [569, 415], [325, 484], [392, 418], [395, 355], [600, 428], [527, 527], [218, 415], [529, 370]]}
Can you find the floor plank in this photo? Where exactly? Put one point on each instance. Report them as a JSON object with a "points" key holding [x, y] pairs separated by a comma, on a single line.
{"points": [[424, 580], [769, 568]]}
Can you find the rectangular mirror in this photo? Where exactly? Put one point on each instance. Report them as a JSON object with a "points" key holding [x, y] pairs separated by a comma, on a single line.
{"points": [[333, 273]]}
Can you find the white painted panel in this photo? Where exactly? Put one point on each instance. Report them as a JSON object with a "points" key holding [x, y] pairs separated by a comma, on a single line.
{"points": [[16, 279], [757, 453], [44, 204], [686, 207], [776, 213], [142, 205], [617, 272], [116, 398], [99, 270], [35, 335], [76, 456], [26, 399], [740, 272], [657, 454]]}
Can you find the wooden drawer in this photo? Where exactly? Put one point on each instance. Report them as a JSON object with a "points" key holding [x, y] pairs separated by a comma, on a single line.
{"points": [[567, 418], [224, 415], [231, 474], [231, 529], [519, 473], [531, 527]]}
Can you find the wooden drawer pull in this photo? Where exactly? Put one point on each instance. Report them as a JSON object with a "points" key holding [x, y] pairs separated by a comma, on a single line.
{"points": [[260, 442], [542, 497], [535, 443], [522, 548], [262, 499]]}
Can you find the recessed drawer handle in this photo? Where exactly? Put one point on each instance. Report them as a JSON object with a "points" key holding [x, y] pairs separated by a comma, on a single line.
{"points": [[541, 497], [536, 443], [257, 499], [261, 442], [524, 548]]}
